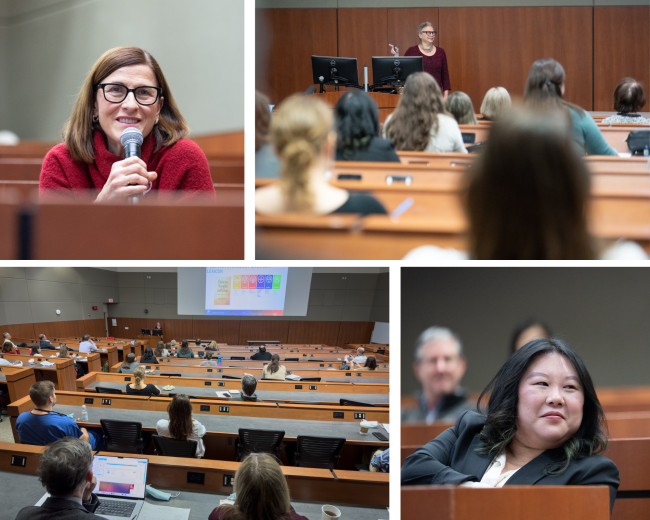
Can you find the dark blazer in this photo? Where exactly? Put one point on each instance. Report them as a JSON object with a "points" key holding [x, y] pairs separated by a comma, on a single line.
{"points": [[451, 458], [262, 356], [61, 509], [46, 344]]}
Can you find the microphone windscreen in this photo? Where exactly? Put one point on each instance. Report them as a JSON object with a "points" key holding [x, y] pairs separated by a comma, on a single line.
{"points": [[131, 135]]}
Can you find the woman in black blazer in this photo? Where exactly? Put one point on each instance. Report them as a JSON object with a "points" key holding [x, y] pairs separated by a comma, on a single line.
{"points": [[544, 427]]}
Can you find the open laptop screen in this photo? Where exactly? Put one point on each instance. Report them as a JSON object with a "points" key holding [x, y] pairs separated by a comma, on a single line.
{"points": [[120, 476]]}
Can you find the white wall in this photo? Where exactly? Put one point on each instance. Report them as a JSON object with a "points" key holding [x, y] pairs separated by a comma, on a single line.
{"points": [[51, 45]]}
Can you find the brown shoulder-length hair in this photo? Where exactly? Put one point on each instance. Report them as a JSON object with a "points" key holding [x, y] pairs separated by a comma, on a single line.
{"points": [[180, 417], [78, 131], [416, 114], [529, 192]]}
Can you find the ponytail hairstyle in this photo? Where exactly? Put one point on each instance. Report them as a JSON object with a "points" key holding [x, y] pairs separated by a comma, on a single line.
{"points": [[138, 373], [543, 88], [274, 365], [416, 117], [299, 131], [180, 417]]}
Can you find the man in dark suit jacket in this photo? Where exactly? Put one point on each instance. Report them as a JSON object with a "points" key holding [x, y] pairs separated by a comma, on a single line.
{"points": [[262, 355], [45, 342], [66, 472]]}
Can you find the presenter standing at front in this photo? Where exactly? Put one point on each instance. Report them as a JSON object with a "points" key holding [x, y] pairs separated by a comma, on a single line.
{"points": [[434, 59]]}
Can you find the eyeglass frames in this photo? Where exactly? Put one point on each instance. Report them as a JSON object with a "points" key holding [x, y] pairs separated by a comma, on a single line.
{"points": [[116, 93]]}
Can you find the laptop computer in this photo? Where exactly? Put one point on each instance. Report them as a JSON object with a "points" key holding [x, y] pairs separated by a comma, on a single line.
{"points": [[121, 484]]}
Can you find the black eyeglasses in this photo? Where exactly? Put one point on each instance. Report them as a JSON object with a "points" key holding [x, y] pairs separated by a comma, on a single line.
{"points": [[430, 33], [116, 93]]}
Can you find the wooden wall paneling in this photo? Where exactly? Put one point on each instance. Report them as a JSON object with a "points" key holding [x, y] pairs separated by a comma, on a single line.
{"points": [[95, 327], [326, 332], [24, 330], [403, 26], [495, 46], [363, 33], [120, 331], [621, 49], [263, 330], [173, 329], [224, 331], [284, 43], [355, 332], [60, 329]]}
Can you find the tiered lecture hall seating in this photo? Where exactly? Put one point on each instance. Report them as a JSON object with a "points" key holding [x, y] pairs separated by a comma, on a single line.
{"points": [[309, 407], [620, 205], [34, 231], [628, 419]]}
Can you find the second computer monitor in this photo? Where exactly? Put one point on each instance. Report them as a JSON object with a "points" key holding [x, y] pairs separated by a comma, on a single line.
{"points": [[393, 70], [335, 70]]}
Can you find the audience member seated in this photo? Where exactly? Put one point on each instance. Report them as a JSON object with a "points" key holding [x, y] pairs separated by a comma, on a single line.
{"points": [[460, 106], [7, 338], [303, 137], [267, 164], [248, 386], [543, 413], [370, 364], [629, 99], [212, 346], [181, 425], [139, 387], [261, 491], [161, 351], [526, 331], [495, 103], [91, 156], [66, 474], [172, 344], [528, 196], [45, 343], [545, 90], [9, 348], [148, 357], [421, 123], [79, 369], [357, 130], [349, 360], [209, 362], [87, 346], [35, 350], [3, 361], [262, 355], [129, 364], [439, 366], [42, 426], [380, 461], [185, 351], [274, 370]]}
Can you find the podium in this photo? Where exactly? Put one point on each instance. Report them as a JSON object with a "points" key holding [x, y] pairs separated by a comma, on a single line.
{"points": [[506, 503], [385, 102]]}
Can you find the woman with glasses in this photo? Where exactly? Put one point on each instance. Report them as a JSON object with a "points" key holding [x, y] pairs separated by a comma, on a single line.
{"points": [[125, 89], [434, 59]]}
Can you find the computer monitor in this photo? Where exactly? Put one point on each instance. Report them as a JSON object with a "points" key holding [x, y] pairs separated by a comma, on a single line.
{"points": [[156, 332], [393, 70], [340, 72], [145, 332]]}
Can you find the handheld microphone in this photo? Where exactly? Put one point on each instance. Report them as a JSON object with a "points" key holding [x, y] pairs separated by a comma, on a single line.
{"points": [[131, 140], [322, 88]]}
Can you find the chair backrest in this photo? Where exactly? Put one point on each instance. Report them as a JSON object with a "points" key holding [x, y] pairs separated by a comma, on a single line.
{"points": [[347, 402], [237, 358], [292, 359], [259, 441], [170, 375], [105, 390], [122, 436], [168, 447], [318, 452]]}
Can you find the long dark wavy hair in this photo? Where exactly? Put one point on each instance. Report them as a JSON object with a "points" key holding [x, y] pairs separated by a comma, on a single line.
{"points": [[357, 122], [500, 428], [416, 115]]}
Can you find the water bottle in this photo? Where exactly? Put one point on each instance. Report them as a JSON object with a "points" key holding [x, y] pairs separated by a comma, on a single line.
{"points": [[646, 152], [84, 413]]}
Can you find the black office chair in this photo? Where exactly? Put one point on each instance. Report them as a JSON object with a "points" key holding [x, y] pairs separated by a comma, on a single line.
{"points": [[105, 390], [347, 402], [237, 358], [258, 441], [318, 452], [122, 436], [201, 353], [381, 351], [168, 447], [170, 375], [292, 359]]}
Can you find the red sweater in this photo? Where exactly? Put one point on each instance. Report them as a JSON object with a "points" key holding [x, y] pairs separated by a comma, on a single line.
{"points": [[181, 166], [435, 65]]}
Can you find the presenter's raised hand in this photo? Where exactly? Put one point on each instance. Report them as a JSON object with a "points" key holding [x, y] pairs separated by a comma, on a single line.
{"points": [[129, 171], [394, 50]]}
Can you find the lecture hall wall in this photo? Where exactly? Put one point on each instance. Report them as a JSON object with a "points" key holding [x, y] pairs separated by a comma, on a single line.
{"points": [[342, 308], [598, 42]]}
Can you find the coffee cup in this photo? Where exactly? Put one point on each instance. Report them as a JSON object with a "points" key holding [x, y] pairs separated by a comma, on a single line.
{"points": [[363, 429], [330, 512]]}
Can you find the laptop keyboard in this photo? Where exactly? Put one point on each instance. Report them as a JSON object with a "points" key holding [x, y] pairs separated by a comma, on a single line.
{"points": [[116, 508]]}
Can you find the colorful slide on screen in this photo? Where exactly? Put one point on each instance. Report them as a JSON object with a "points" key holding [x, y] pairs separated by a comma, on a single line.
{"points": [[245, 291]]}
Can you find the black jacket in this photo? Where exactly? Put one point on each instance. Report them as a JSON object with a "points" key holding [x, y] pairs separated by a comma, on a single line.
{"points": [[259, 356], [451, 458], [61, 509], [379, 150], [47, 345]]}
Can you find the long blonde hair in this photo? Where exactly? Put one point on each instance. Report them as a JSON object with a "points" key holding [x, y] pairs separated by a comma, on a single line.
{"points": [[138, 373], [262, 491], [299, 131]]}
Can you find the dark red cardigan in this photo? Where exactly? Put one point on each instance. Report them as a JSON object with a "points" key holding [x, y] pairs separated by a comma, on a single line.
{"points": [[181, 166], [435, 65]]}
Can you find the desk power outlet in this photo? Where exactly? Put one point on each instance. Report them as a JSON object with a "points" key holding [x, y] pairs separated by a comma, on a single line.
{"points": [[195, 478], [228, 480], [339, 415], [224, 409], [208, 383], [220, 383], [89, 400], [312, 387], [298, 387], [360, 415], [205, 407], [106, 402], [17, 460]]}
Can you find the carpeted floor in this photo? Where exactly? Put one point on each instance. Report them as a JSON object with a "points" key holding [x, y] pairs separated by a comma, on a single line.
{"points": [[5, 430]]}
